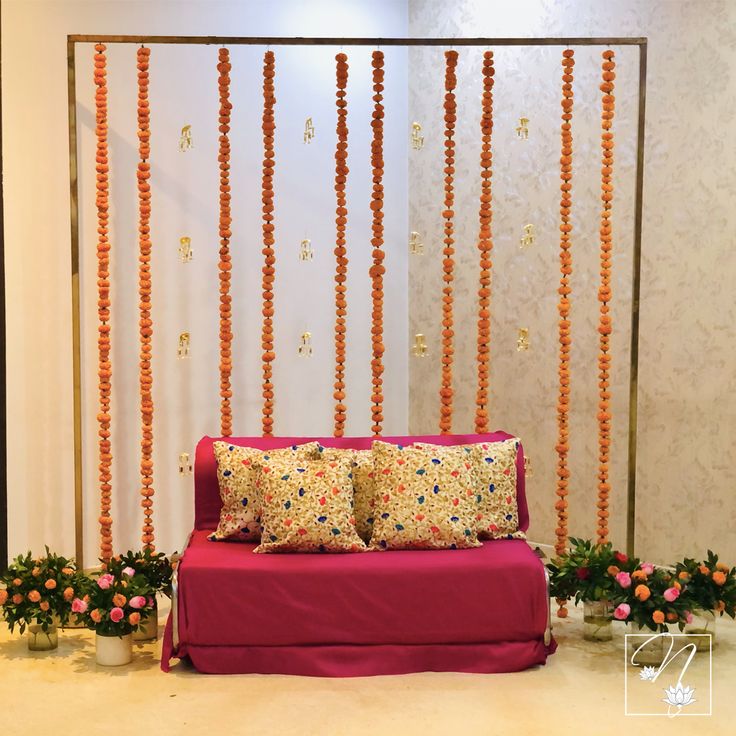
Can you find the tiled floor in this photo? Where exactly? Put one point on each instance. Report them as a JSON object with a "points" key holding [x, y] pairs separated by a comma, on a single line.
{"points": [[580, 691]]}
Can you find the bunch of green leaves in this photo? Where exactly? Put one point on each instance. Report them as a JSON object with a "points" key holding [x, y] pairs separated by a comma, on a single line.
{"points": [[710, 583], [155, 567]]}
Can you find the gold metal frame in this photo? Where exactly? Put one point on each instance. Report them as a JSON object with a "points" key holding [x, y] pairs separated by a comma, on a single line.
{"points": [[72, 40]]}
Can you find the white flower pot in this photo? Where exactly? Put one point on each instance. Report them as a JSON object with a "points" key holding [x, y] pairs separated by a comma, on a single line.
{"points": [[148, 630], [113, 651]]}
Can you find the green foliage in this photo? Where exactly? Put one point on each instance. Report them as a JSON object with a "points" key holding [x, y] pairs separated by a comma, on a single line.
{"points": [[710, 583], [155, 567]]}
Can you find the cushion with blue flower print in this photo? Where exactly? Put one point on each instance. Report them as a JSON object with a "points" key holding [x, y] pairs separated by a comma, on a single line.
{"points": [[424, 499], [307, 506], [236, 475]]}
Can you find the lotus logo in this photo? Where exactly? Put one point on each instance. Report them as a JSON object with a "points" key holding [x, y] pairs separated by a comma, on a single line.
{"points": [[679, 696]]}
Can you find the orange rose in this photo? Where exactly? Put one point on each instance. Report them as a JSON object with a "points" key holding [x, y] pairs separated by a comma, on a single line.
{"points": [[17, 582], [50, 584], [36, 572], [719, 578], [613, 570], [723, 567], [684, 576], [67, 571], [34, 596], [96, 615], [3, 596], [658, 617], [638, 575], [119, 600], [704, 570], [642, 592], [44, 605], [17, 599], [677, 585], [134, 618], [720, 606], [68, 593], [672, 617]]}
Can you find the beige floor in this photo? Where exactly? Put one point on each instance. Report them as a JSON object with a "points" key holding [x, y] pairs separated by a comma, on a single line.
{"points": [[580, 691]]}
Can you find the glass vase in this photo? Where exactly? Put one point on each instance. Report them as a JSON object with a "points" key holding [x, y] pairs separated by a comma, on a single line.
{"points": [[650, 646], [704, 622], [597, 617], [40, 640]]}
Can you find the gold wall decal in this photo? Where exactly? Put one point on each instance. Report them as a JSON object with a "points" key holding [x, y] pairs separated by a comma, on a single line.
{"points": [[183, 349], [185, 249], [522, 343], [522, 131], [185, 141], [419, 349], [306, 252], [309, 131], [305, 346], [185, 464], [416, 246], [528, 237], [417, 139]]}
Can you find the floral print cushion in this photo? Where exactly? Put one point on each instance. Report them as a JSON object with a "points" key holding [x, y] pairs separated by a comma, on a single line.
{"points": [[495, 468], [364, 487], [424, 499], [236, 474], [307, 506]]}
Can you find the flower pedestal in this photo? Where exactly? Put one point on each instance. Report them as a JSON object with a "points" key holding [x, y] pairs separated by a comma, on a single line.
{"points": [[597, 621], [704, 622], [148, 630], [650, 646], [113, 651], [40, 640]]}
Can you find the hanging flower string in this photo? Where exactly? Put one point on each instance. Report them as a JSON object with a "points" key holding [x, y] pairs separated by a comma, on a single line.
{"points": [[341, 253], [269, 254], [225, 266], [377, 269], [485, 246], [563, 308], [604, 294], [448, 263], [103, 303], [144, 291]]}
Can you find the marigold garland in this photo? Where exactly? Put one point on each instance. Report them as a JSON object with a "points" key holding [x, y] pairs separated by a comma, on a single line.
{"points": [[563, 308], [341, 253], [225, 266], [485, 247], [377, 270], [144, 291], [448, 263], [269, 255], [103, 303], [604, 293]]}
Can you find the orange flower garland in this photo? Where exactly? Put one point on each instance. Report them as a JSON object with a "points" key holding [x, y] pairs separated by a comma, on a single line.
{"points": [[269, 255], [103, 303], [604, 294], [341, 253], [485, 246], [448, 263], [144, 290], [225, 266], [563, 308], [377, 270]]}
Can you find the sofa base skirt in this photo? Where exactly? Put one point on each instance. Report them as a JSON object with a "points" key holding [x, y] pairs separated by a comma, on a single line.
{"points": [[344, 660]]}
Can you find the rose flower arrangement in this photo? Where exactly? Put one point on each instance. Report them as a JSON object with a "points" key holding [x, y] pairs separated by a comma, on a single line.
{"points": [[38, 591], [115, 604], [155, 567], [710, 584]]}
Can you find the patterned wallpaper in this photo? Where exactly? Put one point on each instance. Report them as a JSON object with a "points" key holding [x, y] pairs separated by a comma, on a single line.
{"points": [[685, 491]]}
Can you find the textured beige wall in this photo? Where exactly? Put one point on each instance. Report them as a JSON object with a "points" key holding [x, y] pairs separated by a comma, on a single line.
{"points": [[685, 493]]}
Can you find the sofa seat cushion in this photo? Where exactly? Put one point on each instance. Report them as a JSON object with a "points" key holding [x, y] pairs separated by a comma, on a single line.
{"points": [[229, 596]]}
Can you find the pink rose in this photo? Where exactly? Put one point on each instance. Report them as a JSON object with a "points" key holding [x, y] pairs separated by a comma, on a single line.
{"points": [[624, 579], [647, 567], [105, 581], [150, 602], [671, 594], [688, 617], [129, 571], [79, 606], [137, 601], [622, 611], [116, 614]]}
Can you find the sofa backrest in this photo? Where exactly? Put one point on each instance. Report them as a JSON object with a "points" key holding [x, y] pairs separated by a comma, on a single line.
{"points": [[207, 502]]}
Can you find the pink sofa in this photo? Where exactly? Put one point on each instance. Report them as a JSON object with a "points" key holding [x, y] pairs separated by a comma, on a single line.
{"points": [[476, 610]]}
